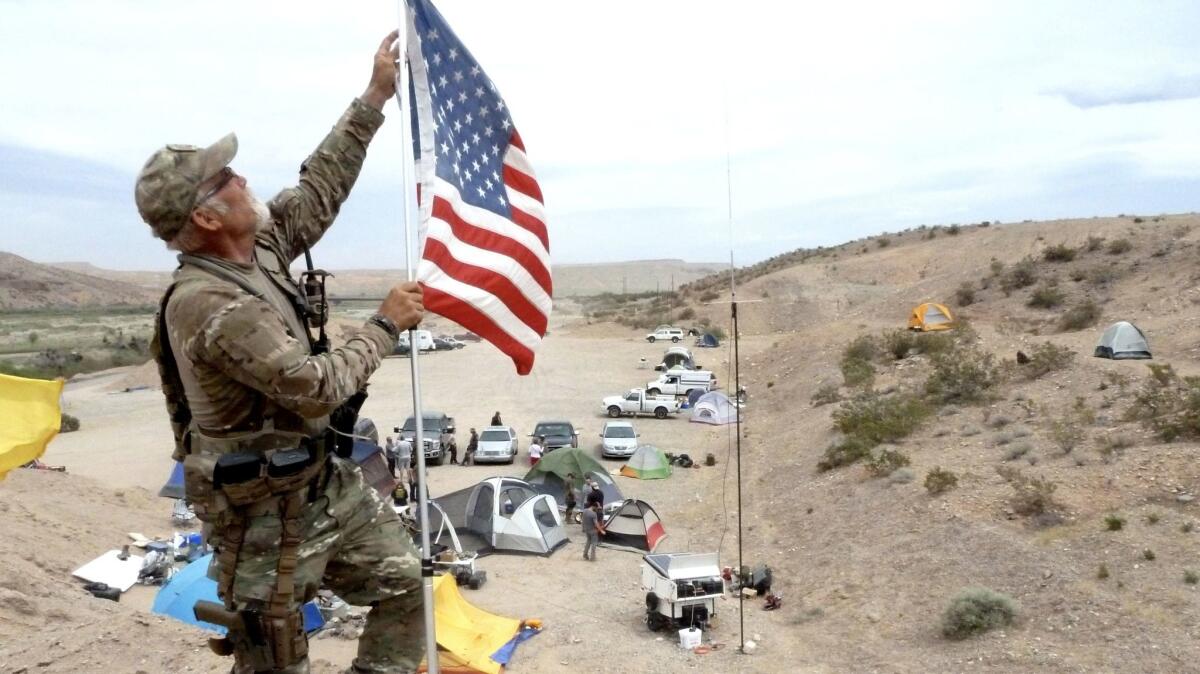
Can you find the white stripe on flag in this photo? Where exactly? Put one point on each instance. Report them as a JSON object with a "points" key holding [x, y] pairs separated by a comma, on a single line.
{"points": [[493, 261], [530, 206], [480, 300], [485, 219], [516, 158]]}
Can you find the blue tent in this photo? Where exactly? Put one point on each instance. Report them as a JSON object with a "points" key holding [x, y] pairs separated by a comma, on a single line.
{"points": [[174, 486], [191, 584], [708, 340]]}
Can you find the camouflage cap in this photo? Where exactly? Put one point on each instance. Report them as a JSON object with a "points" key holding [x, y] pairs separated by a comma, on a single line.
{"points": [[169, 184]]}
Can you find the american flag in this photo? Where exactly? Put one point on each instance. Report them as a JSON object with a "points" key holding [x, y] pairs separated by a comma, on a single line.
{"points": [[485, 257]]}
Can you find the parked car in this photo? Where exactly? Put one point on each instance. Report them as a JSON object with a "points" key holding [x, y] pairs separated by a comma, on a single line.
{"points": [[497, 444], [468, 337], [444, 344], [424, 340], [636, 402], [450, 342], [557, 434], [618, 439], [665, 333], [433, 424]]}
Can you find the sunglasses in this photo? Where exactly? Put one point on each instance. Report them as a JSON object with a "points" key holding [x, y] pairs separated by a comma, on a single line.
{"points": [[226, 174]]}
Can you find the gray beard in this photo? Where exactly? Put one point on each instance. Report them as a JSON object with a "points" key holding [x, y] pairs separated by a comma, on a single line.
{"points": [[262, 214]]}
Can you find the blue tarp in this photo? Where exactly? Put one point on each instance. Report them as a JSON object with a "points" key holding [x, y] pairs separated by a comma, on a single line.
{"points": [[191, 584], [174, 486], [504, 655]]}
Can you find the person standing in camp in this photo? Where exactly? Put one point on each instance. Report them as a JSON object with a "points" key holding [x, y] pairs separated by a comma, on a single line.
{"points": [[595, 497], [254, 398], [389, 451], [496, 419], [449, 446], [593, 528], [404, 458], [472, 447], [535, 451], [570, 498]]}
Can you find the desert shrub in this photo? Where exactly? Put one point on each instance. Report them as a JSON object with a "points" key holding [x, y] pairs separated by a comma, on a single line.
{"points": [[902, 476], [1045, 358], [1153, 518], [1168, 404], [1021, 275], [847, 451], [1082, 315], [1046, 296], [1078, 275], [864, 347], [938, 481], [1101, 276], [883, 242], [965, 295], [826, 395], [1102, 572], [1111, 446], [1094, 243], [1017, 451], [953, 230], [899, 343], [1031, 495], [977, 610], [1114, 522], [1067, 433], [857, 372], [709, 295], [963, 375], [1059, 253], [998, 421], [996, 267], [718, 332], [870, 419], [886, 461], [687, 314], [68, 423], [1191, 577], [1149, 555], [1119, 247]]}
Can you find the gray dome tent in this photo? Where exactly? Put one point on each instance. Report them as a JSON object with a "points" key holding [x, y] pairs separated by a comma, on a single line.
{"points": [[1123, 341]]}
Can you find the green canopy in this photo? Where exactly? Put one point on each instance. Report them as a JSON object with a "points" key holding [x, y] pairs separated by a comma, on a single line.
{"points": [[647, 463]]}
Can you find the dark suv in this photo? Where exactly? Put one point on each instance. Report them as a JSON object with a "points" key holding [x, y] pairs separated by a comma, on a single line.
{"points": [[557, 434], [433, 424]]}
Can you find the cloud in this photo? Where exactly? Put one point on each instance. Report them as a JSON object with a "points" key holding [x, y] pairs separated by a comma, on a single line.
{"points": [[1132, 93]]}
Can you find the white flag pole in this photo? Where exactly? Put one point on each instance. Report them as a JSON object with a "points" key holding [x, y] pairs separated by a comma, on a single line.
{"points": [[411, 249]]}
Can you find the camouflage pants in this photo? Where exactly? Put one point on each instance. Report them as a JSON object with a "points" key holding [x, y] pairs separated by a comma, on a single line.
{"points": [[355, 545]]}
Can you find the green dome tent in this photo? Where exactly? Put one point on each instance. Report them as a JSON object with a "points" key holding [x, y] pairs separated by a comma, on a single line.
{"points": [[549, 476], [647, 463]]}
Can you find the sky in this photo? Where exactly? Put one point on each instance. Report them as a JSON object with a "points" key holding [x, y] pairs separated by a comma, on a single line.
{"points": [[663, 129]]}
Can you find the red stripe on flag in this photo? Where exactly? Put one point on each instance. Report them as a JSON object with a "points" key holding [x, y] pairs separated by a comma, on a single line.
{"points": [[535, 226], [486, 279], [514, 138], [525, 184], [497, 243], [476, 321]]}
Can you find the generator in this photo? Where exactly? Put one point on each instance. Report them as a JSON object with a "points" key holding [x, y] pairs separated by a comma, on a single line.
{"points": [[682, 589]]}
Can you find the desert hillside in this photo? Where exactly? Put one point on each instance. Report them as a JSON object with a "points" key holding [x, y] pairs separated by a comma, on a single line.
{"points": [[570, 280], [26, 285], [884, 471]]}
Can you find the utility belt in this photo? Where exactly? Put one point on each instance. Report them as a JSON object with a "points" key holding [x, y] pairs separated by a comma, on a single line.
{"points": [[245, 485]]}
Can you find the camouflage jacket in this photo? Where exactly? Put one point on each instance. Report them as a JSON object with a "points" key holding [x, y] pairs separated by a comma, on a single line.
{"points": [[249, 380]]}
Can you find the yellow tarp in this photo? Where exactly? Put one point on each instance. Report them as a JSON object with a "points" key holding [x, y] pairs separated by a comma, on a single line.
{"points": [[466, 635], [29, 419]]}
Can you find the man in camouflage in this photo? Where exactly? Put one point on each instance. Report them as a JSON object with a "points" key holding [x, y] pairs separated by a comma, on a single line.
{"points": [[241, 379]]}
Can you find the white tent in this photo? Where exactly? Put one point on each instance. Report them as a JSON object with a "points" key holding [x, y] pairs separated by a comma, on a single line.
{"points": [[714, 408], [1123, 341], [510, 515]]}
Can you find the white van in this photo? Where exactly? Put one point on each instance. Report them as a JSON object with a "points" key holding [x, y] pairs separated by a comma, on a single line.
{"points": [[682, 382], [424, 340]]}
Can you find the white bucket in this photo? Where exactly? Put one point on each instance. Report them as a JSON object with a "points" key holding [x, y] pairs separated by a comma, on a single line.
{"points": [[690, 638]]}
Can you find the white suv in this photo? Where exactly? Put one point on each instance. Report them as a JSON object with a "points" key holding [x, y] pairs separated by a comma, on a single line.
{"points": [[665, 333]]}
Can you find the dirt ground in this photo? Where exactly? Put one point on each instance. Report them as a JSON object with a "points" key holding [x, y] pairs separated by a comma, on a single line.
{"points": [[593, 613]]}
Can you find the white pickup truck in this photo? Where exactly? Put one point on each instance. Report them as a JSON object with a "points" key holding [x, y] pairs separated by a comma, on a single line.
{"points": [[636, 402]]}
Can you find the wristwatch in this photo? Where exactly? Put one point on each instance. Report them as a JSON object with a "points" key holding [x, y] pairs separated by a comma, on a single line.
{"points": [[387, 324]]}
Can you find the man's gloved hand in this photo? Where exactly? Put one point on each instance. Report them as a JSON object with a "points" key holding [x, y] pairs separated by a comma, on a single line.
{"points": [[404, 305], [383, 74]]}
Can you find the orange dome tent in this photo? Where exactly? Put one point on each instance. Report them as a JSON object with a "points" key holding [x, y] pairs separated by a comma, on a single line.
{"points": [[931, 316]]}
